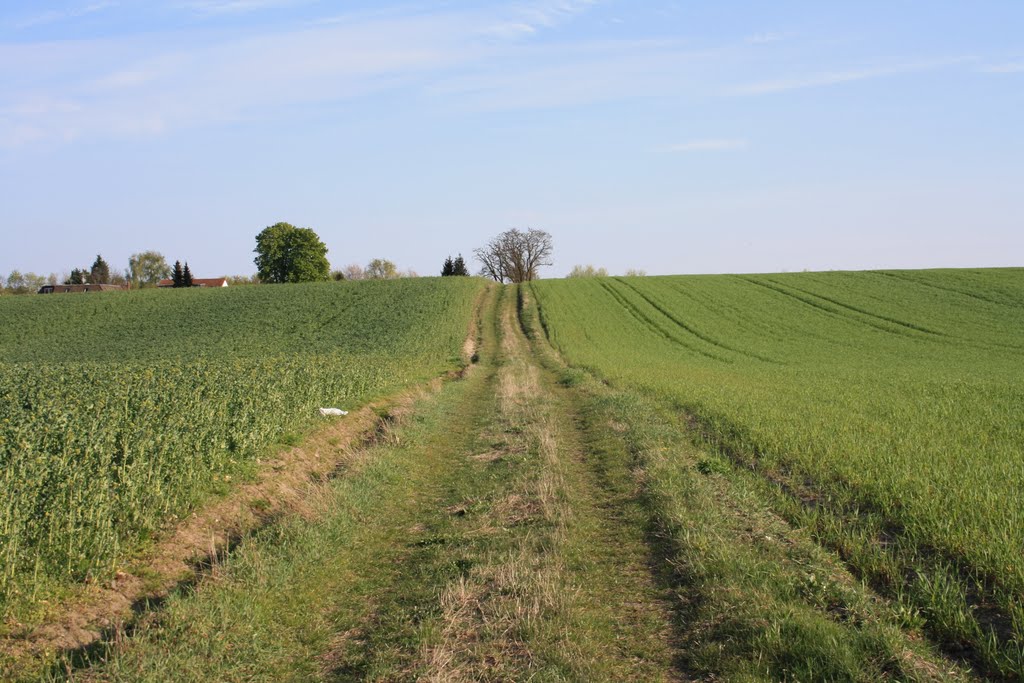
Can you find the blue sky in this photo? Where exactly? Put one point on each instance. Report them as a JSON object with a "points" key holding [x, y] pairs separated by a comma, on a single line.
{"points": [[676, 137]]}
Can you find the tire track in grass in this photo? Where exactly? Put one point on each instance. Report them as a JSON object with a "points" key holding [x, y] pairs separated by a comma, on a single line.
{"points": [[548, 579], [607, 551], [689, 328], [651, 325], [845, 312], [904, 277], [850, 307], [976, 343]]}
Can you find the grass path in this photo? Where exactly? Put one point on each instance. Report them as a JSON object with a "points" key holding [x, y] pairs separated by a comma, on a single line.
{"points": [[479, 540]]}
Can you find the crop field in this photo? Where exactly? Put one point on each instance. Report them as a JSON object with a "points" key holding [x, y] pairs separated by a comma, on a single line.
{"points": [[119, 411], [812, 476], [881, 410]]}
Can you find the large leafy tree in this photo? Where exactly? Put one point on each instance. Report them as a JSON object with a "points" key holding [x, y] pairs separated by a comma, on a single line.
{"points": [[24, 283], [381, 269], [285, 253], [147, 268]]}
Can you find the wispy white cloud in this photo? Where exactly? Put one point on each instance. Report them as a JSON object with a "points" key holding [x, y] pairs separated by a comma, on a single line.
{"points": [[553, 76], [547, 13], [491, 58], [848, 76], [708, 145], [523, 21], [219, 7], [510, 30], [134, 86], [1010, 68], [56, 16]]}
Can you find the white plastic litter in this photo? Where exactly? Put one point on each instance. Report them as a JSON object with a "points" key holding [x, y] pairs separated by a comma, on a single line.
{"points": [[332, 411]]}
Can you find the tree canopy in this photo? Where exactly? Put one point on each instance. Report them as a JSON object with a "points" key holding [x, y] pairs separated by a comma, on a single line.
{"points": [[147, 268], [354, 271], [587, 271], [515, 255], [24, 283], [285, 253], [381, 269]]}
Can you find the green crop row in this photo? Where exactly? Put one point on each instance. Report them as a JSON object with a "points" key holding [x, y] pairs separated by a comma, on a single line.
{"points": [[98, 454], [883, 408]]}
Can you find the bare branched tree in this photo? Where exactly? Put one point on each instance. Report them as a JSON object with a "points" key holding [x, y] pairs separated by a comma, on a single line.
{"points": [[354, 271], [515, 255]]}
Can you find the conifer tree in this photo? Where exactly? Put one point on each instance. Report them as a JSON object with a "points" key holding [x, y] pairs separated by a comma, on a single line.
{"points": [[178, 277], [186, 276], [449, 267], [100, 272], [459, 267]]}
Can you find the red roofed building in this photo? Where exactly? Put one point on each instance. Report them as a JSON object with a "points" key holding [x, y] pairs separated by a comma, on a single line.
{"points": [[199, 282]]}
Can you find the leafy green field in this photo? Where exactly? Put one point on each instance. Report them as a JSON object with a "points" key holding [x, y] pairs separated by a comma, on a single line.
{"points": [[122, 409], [882, 410]]}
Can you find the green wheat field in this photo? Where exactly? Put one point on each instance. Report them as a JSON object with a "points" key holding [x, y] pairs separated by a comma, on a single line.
{"points": [[877, 418]]}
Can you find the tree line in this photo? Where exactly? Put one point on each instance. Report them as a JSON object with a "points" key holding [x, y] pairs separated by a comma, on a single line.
{"points": [[145, 269], [287, 254]]}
